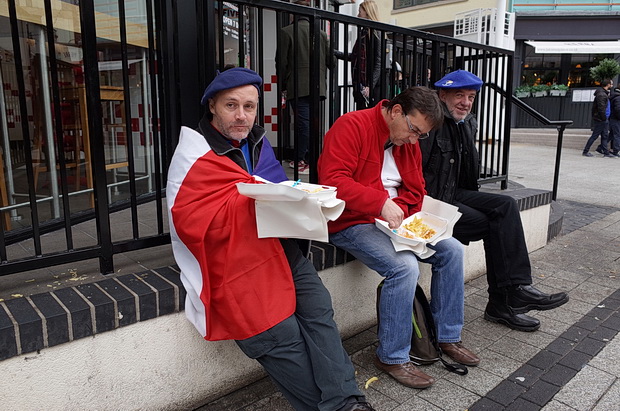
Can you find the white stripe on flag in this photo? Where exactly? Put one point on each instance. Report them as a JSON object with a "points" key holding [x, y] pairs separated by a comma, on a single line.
{"points": [[192, 146]]}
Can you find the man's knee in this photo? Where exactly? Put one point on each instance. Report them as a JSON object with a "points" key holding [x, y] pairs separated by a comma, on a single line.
{"points": [[284, 333]]}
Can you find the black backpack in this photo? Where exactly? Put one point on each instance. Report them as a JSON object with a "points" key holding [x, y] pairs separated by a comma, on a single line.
{"points": [[424, 346]]}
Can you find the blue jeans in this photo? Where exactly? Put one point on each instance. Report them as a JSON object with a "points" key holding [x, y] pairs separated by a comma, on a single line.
{"points": [[599, 128], [401, 271], [303, 354], [302, 125]]}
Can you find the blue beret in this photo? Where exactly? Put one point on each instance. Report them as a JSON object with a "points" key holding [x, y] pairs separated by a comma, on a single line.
{"points": [[460, 79], [231, 78]]}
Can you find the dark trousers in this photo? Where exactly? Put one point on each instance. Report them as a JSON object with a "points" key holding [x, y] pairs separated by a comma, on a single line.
{"points": [[614, 135], [495, 219], [301, 111], [599, 128], [303, 354]]}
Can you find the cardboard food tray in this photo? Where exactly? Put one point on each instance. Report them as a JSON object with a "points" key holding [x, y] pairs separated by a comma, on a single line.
{"points": [[270, 192], [318, 191], [437, 223]]}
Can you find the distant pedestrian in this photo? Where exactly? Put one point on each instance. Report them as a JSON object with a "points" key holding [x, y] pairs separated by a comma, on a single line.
{"points": [[614, 121], [293, 71], [366, 60], [600, 124]]}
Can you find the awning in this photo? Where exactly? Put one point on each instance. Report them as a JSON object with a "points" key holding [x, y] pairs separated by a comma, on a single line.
{"points": [[576, 47]]}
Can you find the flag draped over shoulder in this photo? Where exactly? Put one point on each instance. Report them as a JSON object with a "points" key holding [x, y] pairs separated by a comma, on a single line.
{"points": [[237, 284]]}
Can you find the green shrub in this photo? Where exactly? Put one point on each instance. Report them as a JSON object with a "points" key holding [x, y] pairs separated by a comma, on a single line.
{"points": [[559, 87], [524, 88], [606, 69], [540, 87]]}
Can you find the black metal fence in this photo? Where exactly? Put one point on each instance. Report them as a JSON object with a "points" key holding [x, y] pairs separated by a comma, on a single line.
{"points": [[86, 97], [422, 58], [185, 43]]}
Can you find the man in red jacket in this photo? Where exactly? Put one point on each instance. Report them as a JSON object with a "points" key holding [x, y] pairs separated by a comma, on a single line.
{"points": [[261, 292], [372, 157]]}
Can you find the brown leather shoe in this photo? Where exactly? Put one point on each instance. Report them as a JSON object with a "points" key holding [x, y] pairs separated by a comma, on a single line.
{"points": [[460, 354], [407, 374]]}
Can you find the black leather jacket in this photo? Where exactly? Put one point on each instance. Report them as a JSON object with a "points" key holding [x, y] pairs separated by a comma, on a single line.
{"points": [[450, 159]]}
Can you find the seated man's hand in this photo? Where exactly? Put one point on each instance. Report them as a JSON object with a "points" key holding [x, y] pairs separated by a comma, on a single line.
{"points": [[392, 213]]}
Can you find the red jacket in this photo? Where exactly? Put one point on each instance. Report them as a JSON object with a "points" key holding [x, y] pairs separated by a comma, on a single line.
{"points": [[352, 159]]}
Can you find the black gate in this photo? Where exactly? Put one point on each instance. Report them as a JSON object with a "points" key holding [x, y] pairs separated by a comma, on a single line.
{"points": [[97, 95], [82, 112]]}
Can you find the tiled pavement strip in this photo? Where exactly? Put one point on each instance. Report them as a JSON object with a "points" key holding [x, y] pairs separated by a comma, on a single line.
{"points": [[569, 364]]}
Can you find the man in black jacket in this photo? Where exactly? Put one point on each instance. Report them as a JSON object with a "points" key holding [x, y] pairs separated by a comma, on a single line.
{"points": [[600, 123], [614, 121], [451, 171]]}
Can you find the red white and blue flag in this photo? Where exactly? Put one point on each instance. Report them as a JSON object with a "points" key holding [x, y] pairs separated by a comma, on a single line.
{"points": [[237, 284]]}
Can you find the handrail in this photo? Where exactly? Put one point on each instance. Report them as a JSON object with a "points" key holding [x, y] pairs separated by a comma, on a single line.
{"points": [[561, 125]]}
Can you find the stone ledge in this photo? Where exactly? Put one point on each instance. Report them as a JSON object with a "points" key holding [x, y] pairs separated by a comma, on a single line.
{"points": [[29, 324]]}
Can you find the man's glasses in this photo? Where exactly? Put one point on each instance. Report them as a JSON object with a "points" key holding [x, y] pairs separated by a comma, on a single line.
{"points": [[421, 136]]}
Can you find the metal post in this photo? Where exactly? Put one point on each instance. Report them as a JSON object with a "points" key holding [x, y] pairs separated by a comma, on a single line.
{"points": [[10, 186], [148, 149], [558, 154], [49, 128], [95, 127]]}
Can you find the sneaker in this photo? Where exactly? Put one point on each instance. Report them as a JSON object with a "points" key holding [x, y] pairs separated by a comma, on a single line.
{"points": [[609, 155], [303, 168], [599, 149], [587, 154]]}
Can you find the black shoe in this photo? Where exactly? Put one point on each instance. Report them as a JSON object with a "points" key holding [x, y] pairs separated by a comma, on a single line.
{"points": [[357, 406], [599, 149], [587, 154], [356, 403], [360, 406], [504, 315], [523, 298]]}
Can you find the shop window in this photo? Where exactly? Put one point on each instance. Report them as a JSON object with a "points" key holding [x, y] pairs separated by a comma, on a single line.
{"points": [[549, 69]]}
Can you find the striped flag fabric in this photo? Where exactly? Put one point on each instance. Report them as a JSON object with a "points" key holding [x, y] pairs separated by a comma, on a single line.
{"points": [[237, 284]]}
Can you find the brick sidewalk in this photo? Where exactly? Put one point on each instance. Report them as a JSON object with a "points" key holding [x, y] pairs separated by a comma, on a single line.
{"points": [[519, 371]]}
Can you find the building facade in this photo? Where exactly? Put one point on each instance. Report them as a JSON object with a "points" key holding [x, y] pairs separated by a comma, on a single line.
{"points": [[555, 43]]}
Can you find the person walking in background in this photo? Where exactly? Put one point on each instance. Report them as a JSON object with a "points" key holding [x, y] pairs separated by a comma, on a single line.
{"points": [[261, 292], [451, 171], [373, 158], [366, 60], [293, 70], [600, 123], [614, 121]]}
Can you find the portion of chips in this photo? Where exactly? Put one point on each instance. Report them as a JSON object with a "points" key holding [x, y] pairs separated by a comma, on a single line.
{"points": [[417, 227]]}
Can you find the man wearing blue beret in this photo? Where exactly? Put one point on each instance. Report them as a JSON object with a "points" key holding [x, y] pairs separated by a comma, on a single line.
{"points": [[451, 171], [260, 292]]}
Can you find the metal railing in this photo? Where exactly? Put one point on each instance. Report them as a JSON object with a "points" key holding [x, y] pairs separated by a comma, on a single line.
{"points": [[187, 42], [44, 131], [423, 58], [560, 124]]}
